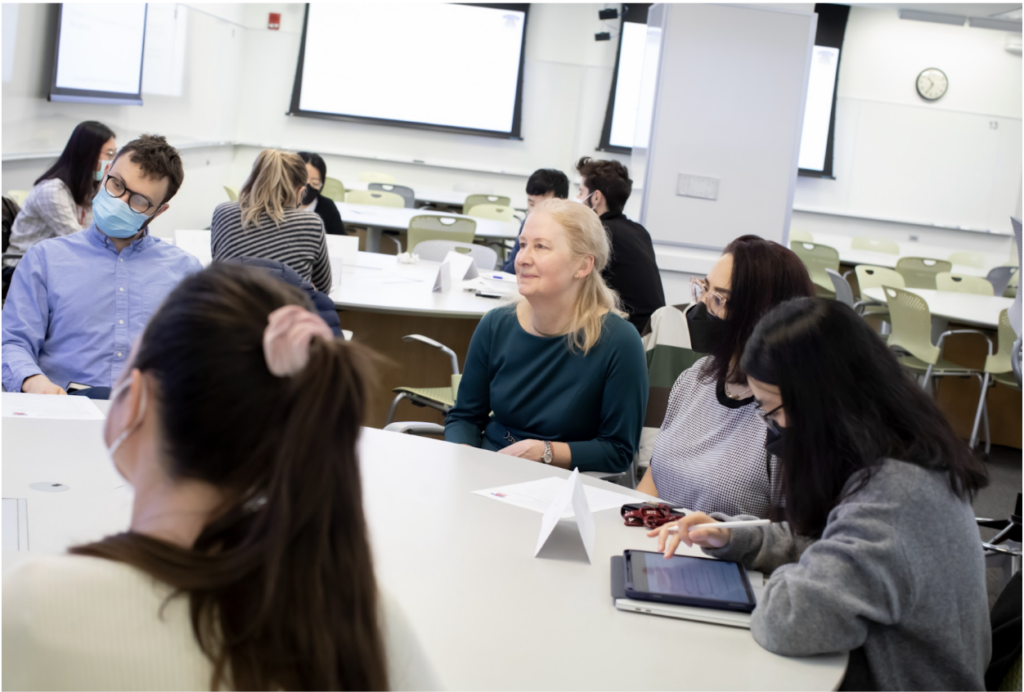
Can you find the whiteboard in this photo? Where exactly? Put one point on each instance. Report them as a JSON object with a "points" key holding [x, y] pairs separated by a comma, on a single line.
{"points": [[921, 165]]}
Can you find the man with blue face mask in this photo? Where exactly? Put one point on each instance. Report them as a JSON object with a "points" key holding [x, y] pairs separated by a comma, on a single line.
{"points": [[77, 303]]}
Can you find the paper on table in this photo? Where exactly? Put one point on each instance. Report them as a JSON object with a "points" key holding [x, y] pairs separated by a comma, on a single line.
{"points": [[50, 406], [343, 247], [570, 494], [538, 496]]}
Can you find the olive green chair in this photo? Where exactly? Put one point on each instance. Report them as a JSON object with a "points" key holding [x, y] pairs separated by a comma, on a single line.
{"points": [[889, 247], [232, 193], [431, 227], [333, 190], [959, 283], [911, 332], [406, 193], [490, 211], [380, 199], [919, 272], [796, 234], [968, 259], [18, 196], [370, 177], [438, 398], [869, 276], [475, 200], [817, 258]]}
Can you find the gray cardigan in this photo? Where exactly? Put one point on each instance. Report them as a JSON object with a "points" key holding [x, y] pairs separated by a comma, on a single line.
{"points": [[897, 579]]}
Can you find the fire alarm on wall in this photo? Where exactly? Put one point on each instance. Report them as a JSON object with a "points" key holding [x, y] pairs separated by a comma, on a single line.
{"points": [[274, 23]]}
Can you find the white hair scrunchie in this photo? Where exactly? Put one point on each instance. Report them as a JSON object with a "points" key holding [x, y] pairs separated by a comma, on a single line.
{"points": [[287, 336]]}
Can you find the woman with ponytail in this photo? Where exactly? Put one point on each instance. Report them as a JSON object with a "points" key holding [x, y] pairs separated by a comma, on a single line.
{"points": [[564, 374], [247, 564], [268, 222]]}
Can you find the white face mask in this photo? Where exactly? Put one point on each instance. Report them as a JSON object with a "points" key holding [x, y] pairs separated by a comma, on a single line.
{"points": [[116, 444], [584, 200]]}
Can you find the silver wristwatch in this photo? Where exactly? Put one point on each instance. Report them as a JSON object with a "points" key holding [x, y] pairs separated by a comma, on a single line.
{"points": [[548, 455]]}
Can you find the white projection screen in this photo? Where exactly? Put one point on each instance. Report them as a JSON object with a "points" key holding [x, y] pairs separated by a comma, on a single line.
{"points": [[98, 53], [821, 88], [456, 68], [619, 129]]}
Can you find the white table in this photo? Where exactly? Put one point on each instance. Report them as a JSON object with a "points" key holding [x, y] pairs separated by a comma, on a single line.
{"points": [[428, 194], [847, 255], [379, 219], [489, 615], [964, 308]]}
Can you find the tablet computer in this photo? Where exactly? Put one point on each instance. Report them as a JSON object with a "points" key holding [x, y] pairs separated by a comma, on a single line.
{"points": [[687, 580]]}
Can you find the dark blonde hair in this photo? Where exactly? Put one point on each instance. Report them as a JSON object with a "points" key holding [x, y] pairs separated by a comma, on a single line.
{"points": [[271, 186]]}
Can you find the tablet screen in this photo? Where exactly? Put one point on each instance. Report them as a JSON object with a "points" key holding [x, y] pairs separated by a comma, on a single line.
{"points": [[693, 577]]}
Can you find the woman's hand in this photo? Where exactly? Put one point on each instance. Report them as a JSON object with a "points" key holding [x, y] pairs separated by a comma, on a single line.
{"points": [[706, 536], [525, 449]]}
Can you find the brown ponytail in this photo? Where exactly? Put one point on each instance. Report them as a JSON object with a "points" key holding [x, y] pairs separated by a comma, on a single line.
{"points": [[281, 584]]}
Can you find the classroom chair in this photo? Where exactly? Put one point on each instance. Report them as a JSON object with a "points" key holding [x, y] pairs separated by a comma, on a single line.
{"points": [[370, 177], [796, 234], [404, 192], [438, 398], [490, 211], [817, 258], [19, 196], [911, 332], [968, 259], [484, 257], [1000, 278], [232, 193], [430, 227], [919, 272], [958, 283], [999, 365], [474, 200], [869, 276], [843, 290], [875, 245], [379, 199], [334, 190]]}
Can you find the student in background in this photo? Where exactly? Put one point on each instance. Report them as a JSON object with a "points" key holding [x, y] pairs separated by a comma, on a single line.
{"points": [[60, 203], [632, 271], [545, 183], [77, 303], [326, 209], [267, 222], [247, 564], [710, 455], [563, 372], [878, 553]]}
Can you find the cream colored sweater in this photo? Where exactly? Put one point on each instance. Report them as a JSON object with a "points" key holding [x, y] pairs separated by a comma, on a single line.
{"points": [[82, 623]]}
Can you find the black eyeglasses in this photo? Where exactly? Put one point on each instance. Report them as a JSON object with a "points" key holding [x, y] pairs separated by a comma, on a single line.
{"points": [[138, 202], [766, 417]]}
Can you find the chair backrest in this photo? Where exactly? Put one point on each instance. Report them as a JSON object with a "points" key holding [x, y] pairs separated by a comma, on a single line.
{"points": [[844, 293], [911, 324], [958, 283], [797, 234], [1000, 277], [432, 227], [11, 209], [968, 259], [919, 272], [18, 196], [817, 259], [436, 250], [380, 199], [334, 189], [405, 192], [999, 362], [232, 193], [875, 245], [474, 200], [490, 211], [869, 276], [370, 177]]}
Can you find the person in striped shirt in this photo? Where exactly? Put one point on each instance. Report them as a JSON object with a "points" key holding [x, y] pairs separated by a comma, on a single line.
{"points": [[266, 221]]}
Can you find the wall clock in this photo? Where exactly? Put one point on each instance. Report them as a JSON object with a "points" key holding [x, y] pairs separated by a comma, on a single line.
{"points": [[932, 84]]}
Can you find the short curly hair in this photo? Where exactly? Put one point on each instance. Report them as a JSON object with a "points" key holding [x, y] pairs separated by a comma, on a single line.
{"points": [[611, 178], [158, 159]]}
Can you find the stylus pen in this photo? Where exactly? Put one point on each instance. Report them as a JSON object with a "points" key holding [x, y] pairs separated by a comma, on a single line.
{"points": [[724, 525]]}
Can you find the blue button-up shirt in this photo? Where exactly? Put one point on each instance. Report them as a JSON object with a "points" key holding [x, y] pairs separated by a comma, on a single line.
{"points": [[76, 305]]}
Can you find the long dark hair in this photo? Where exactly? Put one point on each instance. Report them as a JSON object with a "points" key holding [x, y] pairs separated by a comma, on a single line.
{"points": [[281, 584], [849, 406], [317, 162], [764, 274], [77, 163]]}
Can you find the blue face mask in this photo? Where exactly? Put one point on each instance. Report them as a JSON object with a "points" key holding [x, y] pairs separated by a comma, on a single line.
{"points": [[104, 165], [114, 217]]}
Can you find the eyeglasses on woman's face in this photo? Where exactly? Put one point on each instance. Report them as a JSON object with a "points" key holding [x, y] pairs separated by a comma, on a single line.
{"points": [[766, 417], [138, 202], [701, 293]]}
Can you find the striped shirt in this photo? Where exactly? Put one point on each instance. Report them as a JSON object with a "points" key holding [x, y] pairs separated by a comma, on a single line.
{"points": [[298, 242], [49, 212], [710, 455]]}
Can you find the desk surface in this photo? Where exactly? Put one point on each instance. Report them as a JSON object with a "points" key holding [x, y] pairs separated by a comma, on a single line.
{"points": [[489, 614], [397, 219], [965, 308], [848, 255]]}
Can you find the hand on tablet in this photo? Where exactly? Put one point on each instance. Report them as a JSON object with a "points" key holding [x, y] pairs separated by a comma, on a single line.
{"points": [[704, 536]]}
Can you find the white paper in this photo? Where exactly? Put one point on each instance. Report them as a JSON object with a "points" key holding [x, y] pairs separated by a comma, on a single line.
{"points": [[50, 406], [462, 266], [570, 494], [343, 247], [443, 281], [538, 496]]}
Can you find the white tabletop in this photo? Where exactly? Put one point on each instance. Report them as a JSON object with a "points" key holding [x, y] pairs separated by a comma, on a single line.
{"points": [[397, 219], [966, 308], [848, 255], [489, 614]]}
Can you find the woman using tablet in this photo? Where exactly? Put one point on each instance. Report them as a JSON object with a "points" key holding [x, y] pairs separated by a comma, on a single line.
{"points": [[710, 455], [564, 374], [878, 553], [247, 564], [312, 200]]}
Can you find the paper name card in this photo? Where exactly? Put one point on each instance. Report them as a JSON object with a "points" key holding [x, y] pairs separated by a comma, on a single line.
{"points": [[343, 247], [455, 269], [571, 495]]}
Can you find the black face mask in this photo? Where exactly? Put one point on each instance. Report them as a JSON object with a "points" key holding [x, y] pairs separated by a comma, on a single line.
{"points": [[310, 195], [775, 442], [706, 329]]}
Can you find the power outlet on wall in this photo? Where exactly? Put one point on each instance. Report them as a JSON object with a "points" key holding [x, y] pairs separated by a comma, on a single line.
{"points": [[698, 186]]}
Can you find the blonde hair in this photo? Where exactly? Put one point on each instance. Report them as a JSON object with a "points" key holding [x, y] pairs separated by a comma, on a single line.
{"points": [[586, 236], [271, 186]]}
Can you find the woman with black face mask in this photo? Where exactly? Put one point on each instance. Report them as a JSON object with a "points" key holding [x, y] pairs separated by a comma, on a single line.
{"points": [[313, 200], [710, 453]]}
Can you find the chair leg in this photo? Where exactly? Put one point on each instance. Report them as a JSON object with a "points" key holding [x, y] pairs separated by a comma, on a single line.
{"points": [[927, 378], [988, 432], [394, 405], [981, 409]]}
